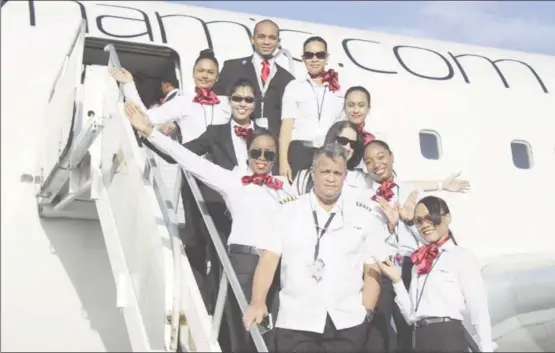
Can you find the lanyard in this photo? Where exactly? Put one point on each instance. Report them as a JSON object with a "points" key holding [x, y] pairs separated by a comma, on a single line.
{"points": [[261, 85], [212, 115], [320, 232], [419, 297], [319, 104]]}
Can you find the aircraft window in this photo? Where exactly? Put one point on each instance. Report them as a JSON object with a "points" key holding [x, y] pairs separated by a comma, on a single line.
{"points": [[430, 144], [522, 154]]}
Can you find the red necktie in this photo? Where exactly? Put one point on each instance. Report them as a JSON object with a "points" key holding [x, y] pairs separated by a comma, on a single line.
{"points": [[261, 180], [385, 190], [242, 132], [205, 96], [332, 78], [265, 71], [424, 257], [367, 137]]}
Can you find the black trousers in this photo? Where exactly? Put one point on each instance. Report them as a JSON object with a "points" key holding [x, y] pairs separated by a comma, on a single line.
{"points": [[244, 266], [349, 340], [440, 337], [381, 336], [299, 157]]}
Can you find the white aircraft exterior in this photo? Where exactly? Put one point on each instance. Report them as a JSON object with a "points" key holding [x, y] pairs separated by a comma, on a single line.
{"points": [[101, 269]]}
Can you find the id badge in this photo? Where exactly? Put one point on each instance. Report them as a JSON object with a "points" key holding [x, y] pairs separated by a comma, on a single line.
{"points": [[262, 122], [318, 270]]}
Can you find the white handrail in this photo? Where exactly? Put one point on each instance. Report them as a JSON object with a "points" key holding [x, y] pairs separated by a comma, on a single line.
{"points": [[177, 245]]}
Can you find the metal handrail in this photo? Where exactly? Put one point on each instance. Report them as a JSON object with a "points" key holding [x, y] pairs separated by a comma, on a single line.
{"points": [[169, 218], [226, 263]]}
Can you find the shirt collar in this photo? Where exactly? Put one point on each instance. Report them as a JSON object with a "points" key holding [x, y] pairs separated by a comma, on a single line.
{"points": [[257, 62], [309, 79], [234, 123], [338, 208]]}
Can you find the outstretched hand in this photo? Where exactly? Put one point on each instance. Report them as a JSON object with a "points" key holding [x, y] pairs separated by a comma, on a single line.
{"points": [[138, 119], [454, 184]]}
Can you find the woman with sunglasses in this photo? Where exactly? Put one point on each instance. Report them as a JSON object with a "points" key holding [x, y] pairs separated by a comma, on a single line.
{"points": [[395, 198], [446, 281], [251, 198], [311, 104], [344, 133]]}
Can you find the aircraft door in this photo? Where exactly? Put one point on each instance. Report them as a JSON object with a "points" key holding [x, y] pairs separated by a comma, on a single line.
{"points": [[61, 114]]}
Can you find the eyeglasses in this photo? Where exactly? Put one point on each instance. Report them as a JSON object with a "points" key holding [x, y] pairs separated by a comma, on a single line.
{"points": [[343, 141], [256, 153], [309, 55], [434, 219], [239, 99]]}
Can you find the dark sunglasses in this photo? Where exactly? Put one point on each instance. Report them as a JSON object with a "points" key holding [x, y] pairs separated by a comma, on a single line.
{"points": [[256, 153], [238, 99], [309, 55], [434, 219], [343, 141]]}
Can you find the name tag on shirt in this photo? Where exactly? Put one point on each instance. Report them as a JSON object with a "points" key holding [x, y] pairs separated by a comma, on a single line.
{"points": [[262, 122]]}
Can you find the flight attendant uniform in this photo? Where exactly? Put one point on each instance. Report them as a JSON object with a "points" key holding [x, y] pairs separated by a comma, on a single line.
{"points": [[401, 244], [322, 260], [314, 110], [251, 200], [446, 281], [204, 109]]}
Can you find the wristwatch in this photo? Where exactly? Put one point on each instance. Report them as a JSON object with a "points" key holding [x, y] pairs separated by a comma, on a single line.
{"points": [[370, 314]]}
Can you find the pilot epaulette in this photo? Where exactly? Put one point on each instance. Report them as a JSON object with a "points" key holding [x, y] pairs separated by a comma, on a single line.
{"points": [[288, 199], [363, 205]]}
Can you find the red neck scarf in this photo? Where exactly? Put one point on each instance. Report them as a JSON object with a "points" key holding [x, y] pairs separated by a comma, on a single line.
{"points": [[205, 96], [367, 137], [262, 180], [385, 190], [331, 78], [424, 257], [242, 132]]}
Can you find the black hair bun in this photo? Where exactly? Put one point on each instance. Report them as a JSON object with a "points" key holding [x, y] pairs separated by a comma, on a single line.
{"points": [[206, 53]]}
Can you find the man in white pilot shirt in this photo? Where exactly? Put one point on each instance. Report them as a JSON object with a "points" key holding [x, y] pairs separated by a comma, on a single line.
{"points": [[325, 241]]}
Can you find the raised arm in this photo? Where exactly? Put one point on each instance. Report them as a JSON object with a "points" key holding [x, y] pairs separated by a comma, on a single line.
{"points": [[475, 295], [216, 177], [451, 183]]}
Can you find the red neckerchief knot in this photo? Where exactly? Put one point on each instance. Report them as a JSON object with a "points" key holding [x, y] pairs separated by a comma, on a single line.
{"points": [[205, 96], [385, 190], [242, 132], [424, 257], [367, 137], [331, 78], [262, 180]]}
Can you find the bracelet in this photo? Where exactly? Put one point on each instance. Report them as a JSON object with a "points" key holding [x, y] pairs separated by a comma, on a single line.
{"points": [[409, 223]]}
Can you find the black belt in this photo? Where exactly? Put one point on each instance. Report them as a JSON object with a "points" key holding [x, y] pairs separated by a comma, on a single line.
{"points": [[243, 249], [432, 320]]}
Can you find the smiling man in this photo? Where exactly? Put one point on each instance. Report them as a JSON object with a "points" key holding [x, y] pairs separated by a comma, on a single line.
{"points": [[261, 69]]}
